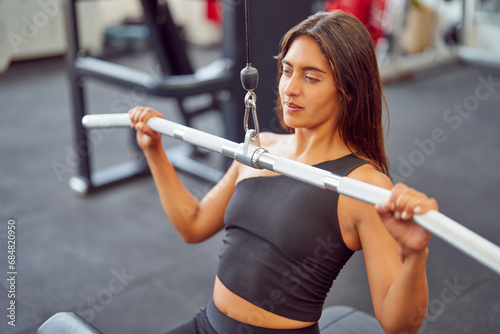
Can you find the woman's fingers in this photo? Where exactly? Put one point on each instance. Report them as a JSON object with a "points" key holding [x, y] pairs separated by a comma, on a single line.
{"points": [[404, 202], [428, 205], [407, 202], [142, 115], [146, 137], [133, 114], [144, 128], [397, 213], [385, 209]]}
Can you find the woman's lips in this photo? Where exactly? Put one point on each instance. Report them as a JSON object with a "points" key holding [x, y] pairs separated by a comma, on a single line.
{"points": [[292, 107]]}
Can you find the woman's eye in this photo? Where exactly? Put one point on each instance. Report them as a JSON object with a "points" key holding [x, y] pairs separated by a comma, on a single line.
{"points": [[311, 79], [287, 72]]}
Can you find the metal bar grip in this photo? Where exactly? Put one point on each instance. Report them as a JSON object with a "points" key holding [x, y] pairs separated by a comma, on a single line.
{"points": [[105, 121], [472, 244], [169, 128]]}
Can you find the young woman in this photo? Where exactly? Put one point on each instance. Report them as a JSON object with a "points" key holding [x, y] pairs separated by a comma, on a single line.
{"points": [[286, 241]]}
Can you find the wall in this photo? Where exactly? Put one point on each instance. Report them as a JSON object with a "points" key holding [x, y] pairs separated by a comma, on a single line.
{"points": [[34, 29]]}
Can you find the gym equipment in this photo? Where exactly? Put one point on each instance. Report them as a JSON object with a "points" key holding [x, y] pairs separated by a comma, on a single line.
{"points": [[334, 320], [67, 322], [178, 80], [254, 156]]}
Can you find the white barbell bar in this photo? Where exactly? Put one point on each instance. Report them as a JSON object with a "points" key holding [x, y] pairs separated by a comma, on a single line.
{"points": [[438, 224]]}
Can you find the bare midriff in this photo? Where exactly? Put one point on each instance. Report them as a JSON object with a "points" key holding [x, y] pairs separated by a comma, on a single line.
{"points": [[242, 310]]}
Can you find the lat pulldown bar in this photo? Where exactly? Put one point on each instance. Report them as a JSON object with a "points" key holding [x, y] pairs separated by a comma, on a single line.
{"points": [[254, 156]]}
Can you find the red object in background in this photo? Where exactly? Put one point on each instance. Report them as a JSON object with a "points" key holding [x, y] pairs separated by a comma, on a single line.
{"points": [[369, 12], [213, 11]]}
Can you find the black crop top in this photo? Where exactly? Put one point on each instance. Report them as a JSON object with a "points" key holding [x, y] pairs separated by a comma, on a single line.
{"points": [[283, 247]]}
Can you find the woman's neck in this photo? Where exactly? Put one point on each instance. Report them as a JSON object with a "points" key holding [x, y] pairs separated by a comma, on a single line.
{"points": [[311, 146]]}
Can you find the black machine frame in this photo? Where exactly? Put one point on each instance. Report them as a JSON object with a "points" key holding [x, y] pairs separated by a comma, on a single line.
{"points": [[177, 80]]}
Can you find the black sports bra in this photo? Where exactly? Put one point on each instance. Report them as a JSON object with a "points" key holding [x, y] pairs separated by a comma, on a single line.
{"points": [[283, 247]]}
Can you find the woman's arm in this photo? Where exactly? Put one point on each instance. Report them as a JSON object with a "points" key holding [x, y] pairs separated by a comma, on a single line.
{"points": [[407, 298], [395, 252], [194, 220]]}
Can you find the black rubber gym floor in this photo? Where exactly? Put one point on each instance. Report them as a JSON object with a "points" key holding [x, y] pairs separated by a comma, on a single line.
{"points": [[113, 258]]}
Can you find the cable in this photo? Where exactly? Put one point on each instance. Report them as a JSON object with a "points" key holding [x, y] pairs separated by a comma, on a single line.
{"points": [[249, 79], [247, 31]]}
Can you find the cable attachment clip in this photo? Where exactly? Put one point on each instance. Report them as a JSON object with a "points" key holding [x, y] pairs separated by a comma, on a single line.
{"points": [[250, 153], [249, 79]]}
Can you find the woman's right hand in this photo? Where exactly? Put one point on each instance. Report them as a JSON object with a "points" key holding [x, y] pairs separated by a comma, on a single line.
{"points": [[146, 138]]}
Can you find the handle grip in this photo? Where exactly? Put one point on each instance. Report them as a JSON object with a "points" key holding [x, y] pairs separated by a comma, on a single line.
{"points": [[105, 121]]}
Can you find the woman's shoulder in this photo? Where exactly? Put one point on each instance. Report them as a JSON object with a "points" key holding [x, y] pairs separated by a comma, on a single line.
{"points": [[368, 174]]}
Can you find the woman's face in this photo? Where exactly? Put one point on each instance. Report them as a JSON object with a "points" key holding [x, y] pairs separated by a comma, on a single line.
{"points": [[307, 90]]}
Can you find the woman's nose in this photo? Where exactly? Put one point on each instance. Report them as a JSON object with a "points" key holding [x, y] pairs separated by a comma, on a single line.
{"points": [[292, 86]]}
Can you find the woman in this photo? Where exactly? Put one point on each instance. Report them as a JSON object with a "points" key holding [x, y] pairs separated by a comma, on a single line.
{"points": [[286, 241]]}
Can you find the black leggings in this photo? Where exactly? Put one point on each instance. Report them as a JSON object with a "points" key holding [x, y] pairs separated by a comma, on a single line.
{"points": [[212, 321]]}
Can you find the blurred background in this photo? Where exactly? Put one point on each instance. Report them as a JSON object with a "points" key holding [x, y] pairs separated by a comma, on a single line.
{"points": [[91, 236]]}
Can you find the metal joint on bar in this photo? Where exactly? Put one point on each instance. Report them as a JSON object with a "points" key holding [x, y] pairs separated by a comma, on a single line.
{"points": [[251, 152], [256, 157], [332, 182]]}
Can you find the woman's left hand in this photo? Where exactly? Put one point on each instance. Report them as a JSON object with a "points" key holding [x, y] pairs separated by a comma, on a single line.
{"points": [[397, 213]]}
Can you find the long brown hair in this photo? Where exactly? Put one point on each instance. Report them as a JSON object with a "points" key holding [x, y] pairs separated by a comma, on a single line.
{"points": [[346, 43]]}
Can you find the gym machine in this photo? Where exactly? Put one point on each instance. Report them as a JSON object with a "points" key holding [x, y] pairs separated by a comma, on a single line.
{"points": [[179, 80]]}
